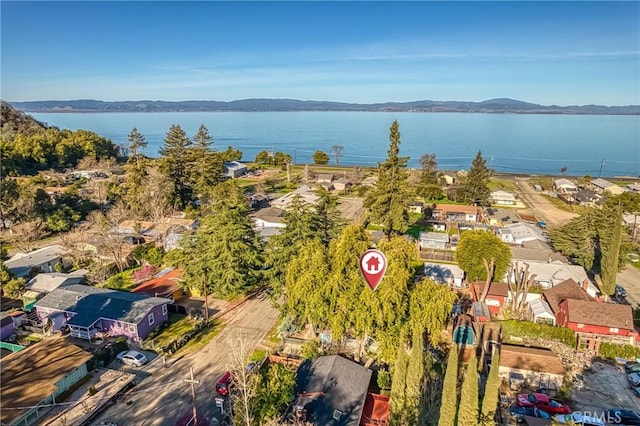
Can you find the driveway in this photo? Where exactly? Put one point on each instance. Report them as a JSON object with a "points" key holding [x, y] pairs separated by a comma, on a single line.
{"points": [[163, 397], [540, 207], [629, 278]]}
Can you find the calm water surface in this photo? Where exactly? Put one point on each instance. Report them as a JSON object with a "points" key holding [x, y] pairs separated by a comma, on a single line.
{"points": [[509, 142]]}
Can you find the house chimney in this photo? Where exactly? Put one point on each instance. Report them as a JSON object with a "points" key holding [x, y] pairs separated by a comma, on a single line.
{"points": [[585, 285]]}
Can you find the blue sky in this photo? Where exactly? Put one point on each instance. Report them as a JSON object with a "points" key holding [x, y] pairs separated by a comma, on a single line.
{"points": [[562, 53]]}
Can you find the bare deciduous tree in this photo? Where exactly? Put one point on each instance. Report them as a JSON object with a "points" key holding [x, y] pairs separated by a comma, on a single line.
{"points": [[337, 153], [519, 281], [25, 236], [74, 244], [104, 237], [490, 266], [245, 382]]}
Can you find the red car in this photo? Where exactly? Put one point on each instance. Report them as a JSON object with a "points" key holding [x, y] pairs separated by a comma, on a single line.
{"points": [[222, 387], [542, 402]]}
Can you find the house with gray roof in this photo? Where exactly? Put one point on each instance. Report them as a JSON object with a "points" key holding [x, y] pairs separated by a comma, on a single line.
{"points": [[93, 311], [602, 186], [45, 260], [444, 273], [234, 169], [433, 240], [306, 193], [331, 390]]}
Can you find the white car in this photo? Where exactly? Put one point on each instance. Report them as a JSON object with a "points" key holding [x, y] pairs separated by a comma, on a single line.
{"points": [[634, 379], [133, 358]]}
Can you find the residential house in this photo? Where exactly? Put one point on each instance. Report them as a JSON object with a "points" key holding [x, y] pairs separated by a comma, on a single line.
{"points": [[35, 377], [45, 259], [525, 365], [586, 198], [596, 322], [324, 179], [602, 186], [331, 390], [502, 198], [305, 192], [42, 284], [444, 273], [564, 186], [496, 297], [342, 184], [234, 169], [90, 311], [535, 250], [449, 179], [633, 187], [416, 207], [568, 289], [519, 233], [433, 240], [134, 227], [540, 312], [456, 213], [501, 217], [269, 221], [550, 274], [7, 326], [166, 284]]}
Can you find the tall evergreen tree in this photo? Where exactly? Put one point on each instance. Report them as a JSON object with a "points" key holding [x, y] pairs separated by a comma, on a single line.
{"points": [[429, 308], [491, 389], [450, 390], [175, 163], [225, 252], [415, 379], [137, 143], [429, 186], [207, 165], [468, 409], [610, 243], [389, 201], [475, 187], [136, 172], [398, 401]]}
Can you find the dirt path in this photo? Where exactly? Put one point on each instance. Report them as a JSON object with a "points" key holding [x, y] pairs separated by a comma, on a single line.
{"points": [[540, 207]]}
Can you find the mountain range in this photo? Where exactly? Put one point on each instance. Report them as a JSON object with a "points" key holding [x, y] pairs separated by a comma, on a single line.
{"points": [[501, 105]]}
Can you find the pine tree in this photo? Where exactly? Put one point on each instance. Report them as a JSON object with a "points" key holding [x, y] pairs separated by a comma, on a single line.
{"points": [[225, 251], [390, 199], [476, 189], [207, 165], [429, 187], [136, 172], [450, 390], [137, 143], [175, 163], [398, 397], [468, 409], [491, 389]]}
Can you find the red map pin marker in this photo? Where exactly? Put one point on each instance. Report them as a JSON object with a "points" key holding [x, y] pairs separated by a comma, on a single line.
{"points": [[373, 265]]}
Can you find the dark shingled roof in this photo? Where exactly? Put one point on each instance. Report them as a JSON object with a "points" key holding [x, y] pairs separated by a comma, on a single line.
{"points": [[568, 289], [331, 383], [92, 303]]}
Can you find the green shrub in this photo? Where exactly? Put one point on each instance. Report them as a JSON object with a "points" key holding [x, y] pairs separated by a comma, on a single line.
{"points": [[310, 350], [384, 379], [527, 329], [610, 350]]}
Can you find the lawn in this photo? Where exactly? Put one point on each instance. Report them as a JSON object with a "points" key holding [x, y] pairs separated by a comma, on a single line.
{"points": [[504, 184], [122, 280], [201, 339], [178, 325], [415, 230]]}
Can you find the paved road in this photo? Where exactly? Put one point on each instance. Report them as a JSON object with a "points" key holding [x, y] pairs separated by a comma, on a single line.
{"points": [[629, 278], [540, 207], [162, 397]]}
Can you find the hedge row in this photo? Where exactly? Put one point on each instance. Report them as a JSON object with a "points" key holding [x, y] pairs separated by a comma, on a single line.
{"points": [[612, 351], [526, 329]]}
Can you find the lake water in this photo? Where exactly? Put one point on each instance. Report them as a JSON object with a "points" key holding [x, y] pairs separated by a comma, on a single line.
{"points": [[514, 143]]}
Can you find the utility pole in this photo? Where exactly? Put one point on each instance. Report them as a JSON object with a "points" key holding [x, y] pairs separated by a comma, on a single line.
{"points": [[193, 384], [206, 300], [601, 166]]}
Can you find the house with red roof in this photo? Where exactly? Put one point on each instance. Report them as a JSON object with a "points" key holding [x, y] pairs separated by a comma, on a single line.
{"points": [[496, 297], [165, 284]]}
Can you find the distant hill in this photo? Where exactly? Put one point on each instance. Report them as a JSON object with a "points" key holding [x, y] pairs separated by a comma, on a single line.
{"points": [[18, 121], [502, 105]]}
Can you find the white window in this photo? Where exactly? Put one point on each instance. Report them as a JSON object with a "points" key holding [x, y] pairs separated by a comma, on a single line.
{"points": [[614, 330], [337, 414], [580, 325], [151, 320], [132, 328], [164, 309]]}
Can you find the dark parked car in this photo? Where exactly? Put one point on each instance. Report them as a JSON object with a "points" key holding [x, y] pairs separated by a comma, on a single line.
{"points": [[520, 412], [620, 416], [631, 367]]}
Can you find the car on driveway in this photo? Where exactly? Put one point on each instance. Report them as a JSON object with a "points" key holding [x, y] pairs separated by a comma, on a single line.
{"points": [[620, 416], [132, 358], [631, 367], [520, 412], [542, 402], [620, 291], [634, 379]]}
